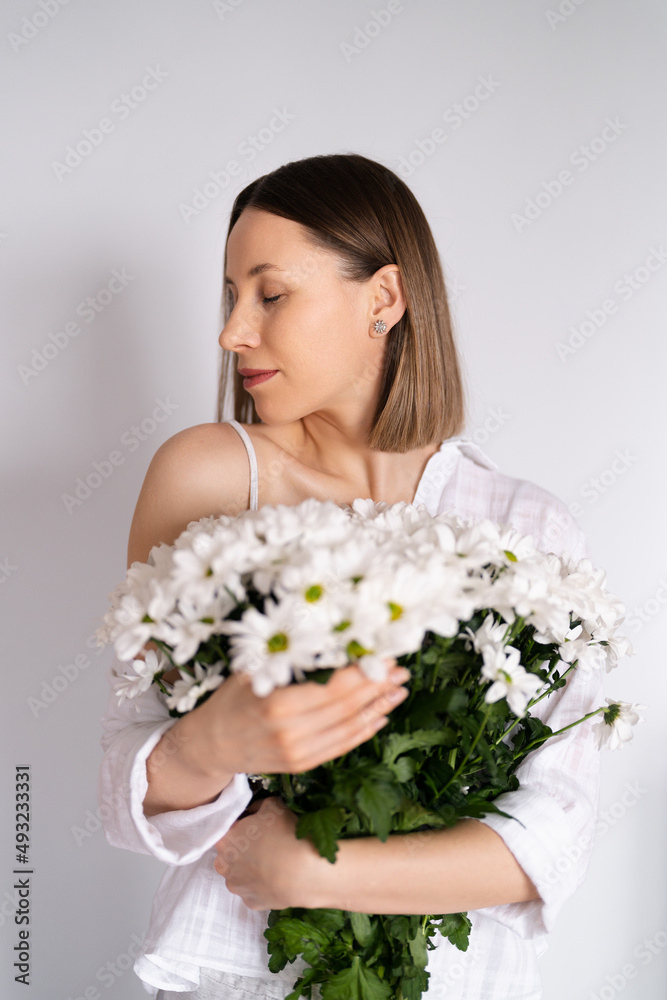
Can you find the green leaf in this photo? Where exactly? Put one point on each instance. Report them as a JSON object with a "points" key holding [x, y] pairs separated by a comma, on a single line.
{"points": [[309, 976], [361, 925], [454, 700], [417, 947], [329, 920], [398, 743], [412, 988], [345, 787], [378, 801], [323, 827], [398, 926], [353, 825], [293, 934], [356, 983], [439, 770], [413, 815], [476, 809], [278, 957], [456, 927], [404, 768]]}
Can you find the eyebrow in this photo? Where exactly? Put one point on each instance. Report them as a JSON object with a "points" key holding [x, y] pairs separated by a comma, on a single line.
{"points": [[257, 269]]}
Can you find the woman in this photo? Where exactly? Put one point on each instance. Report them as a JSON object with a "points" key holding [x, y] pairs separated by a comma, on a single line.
{"points": [[334, 289]]}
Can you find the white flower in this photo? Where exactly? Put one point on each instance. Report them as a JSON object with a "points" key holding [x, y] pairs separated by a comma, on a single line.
{"points": [[578, 645], [161, 558], [191, 624], [488, 634], [514, 545], [615, 727], [186, 692], [149, 598], [617, 647], [132, 685], [317, 573], [389, 612], [510, 680], [531, 590], [362, 583], [366, 508], [202, 568], [268, 645], [478, 543], [312, 521]]}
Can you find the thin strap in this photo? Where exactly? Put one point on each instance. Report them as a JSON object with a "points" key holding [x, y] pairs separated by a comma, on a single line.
{"points": [[252, 458]]}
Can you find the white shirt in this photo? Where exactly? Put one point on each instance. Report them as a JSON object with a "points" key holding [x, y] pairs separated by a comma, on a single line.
{"points": [[197, 923]]}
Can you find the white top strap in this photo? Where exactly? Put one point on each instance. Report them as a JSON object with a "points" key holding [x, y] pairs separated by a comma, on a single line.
{"points": [[252, 458]]}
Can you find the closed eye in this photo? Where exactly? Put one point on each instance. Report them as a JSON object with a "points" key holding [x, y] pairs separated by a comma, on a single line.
{"points": [[267, 300]]}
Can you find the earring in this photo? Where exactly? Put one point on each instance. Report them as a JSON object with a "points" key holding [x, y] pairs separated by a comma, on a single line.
{"points": [[380, 326]]}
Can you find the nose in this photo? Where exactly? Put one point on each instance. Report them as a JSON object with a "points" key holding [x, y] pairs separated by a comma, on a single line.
{"points": [[239, 331]]}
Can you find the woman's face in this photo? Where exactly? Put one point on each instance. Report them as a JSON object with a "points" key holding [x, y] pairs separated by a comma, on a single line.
{"points": [[301, 318]]}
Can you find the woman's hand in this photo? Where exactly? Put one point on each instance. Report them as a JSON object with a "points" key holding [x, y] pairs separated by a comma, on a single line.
{"points": [[293, 729], [263, 862], [296, 727]]}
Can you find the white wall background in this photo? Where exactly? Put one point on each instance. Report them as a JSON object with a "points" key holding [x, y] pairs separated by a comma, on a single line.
{"points": [[588, 424]]}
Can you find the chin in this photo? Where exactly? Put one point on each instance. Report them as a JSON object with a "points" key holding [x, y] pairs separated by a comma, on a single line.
{"points": [[271, 416]]}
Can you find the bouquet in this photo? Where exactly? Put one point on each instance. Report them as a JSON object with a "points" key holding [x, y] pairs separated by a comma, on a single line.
{"points": [[488, 625]]}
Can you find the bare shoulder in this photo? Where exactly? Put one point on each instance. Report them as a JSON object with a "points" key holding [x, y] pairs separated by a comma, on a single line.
{"points": [[200, 471]]}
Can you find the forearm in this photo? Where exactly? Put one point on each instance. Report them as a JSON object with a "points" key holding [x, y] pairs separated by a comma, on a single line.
{"points": [[177, 778], [465, 867]]}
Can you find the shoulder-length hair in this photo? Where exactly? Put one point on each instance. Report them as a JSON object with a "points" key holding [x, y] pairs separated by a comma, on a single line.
{"points": [[369, 217]]}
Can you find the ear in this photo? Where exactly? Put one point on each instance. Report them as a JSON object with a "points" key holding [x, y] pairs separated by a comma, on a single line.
{"points": [[387, 297]]}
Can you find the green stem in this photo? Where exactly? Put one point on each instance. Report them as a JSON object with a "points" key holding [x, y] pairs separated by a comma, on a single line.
{"points": [[558, 732], [549, 689], [287, 788], [513, 630], [530, 704], [167, 650], [158, 681], [470, 749]]}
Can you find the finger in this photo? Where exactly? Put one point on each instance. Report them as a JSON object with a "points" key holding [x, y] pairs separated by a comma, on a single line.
{"points": [[363, 703], [334, 742], [309, 747], [347, 686]]}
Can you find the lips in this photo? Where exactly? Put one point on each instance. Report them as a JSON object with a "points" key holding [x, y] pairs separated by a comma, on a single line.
{"points": [[255, 371]]}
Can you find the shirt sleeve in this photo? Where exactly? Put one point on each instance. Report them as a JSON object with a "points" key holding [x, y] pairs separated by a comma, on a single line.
{"points": [[179, 837], [555, 808]]}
